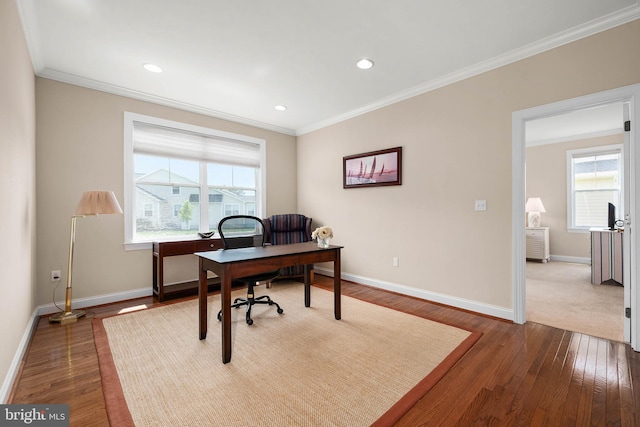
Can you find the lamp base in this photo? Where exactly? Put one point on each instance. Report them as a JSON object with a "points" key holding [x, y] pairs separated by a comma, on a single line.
{"points": [[67, 317], [534, 219]]}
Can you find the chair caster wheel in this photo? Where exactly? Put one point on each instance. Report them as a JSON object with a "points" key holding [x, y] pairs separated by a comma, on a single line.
{"points": [[280, 311], [249, 322], [219, 316]]}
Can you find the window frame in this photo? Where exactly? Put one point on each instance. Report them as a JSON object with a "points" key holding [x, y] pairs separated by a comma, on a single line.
{"points": [[588, 152], [129, 173]]}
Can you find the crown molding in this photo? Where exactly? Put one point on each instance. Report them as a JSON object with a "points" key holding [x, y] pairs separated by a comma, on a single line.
{"points": [[31, 33], [160, 100], [606, 22]]}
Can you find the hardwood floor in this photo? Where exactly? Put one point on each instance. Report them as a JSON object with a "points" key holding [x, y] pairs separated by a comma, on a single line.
{"points": [[514, 375]]}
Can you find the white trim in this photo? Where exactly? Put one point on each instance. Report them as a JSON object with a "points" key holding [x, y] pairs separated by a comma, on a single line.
{"points": [[595, 26], [141, 246], [42, 310], [612, 20], [489, 310], [72, 79], [630, 94], [14, 368], [129, 173], [573, 259], [97, 300]]}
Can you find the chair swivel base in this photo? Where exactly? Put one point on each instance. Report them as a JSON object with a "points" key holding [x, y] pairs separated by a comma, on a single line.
{"points": [[250, 302]]}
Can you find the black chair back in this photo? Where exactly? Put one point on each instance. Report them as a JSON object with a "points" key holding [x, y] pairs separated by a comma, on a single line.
{"points": [[241, 231]]}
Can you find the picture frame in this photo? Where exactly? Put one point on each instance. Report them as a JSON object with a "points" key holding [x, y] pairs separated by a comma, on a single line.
{"points": [[372, 169]]}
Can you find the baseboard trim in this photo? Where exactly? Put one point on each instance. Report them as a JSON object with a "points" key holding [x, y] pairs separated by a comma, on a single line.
{"points": [[14, 368], [464, 304], [486, 309], [97, 300], [573, 259]]}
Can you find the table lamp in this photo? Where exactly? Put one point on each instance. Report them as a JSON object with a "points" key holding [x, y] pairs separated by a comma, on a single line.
{"points": [[91, 203], [533, 207]]}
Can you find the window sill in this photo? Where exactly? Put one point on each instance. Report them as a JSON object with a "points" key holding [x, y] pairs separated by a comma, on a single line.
{"points": [[138, 246], [578, 230]]}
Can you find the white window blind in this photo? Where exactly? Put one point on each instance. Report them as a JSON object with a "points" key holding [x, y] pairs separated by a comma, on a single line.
{"points": [[169, 165], [594, 180], [163, 141]]}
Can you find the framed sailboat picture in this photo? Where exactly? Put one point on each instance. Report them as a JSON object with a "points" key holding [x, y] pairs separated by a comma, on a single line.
{"points": [[376, 168]]}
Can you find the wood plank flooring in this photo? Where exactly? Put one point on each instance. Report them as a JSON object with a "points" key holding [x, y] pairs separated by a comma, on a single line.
{"points": [[515, 374]]}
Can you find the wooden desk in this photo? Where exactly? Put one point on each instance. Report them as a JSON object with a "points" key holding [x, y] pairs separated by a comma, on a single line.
{"points": [[235, 263]]}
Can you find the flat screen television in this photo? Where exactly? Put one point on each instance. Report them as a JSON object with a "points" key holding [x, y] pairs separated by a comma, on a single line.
{"points": [[611, 218]]}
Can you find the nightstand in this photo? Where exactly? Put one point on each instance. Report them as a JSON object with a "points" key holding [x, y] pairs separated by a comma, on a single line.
{"points": [[537, 243]]}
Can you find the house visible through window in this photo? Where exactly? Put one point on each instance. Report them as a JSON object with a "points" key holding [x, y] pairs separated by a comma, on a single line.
{"points": [[595, 179], [171, 167], [231, 209]]}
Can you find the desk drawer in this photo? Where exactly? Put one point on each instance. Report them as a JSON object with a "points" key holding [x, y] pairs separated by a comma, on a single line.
{"points": [[207, 245], [187, 247]]}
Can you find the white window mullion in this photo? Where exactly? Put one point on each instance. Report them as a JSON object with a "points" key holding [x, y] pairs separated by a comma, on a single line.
{"points": [[204, 198]]}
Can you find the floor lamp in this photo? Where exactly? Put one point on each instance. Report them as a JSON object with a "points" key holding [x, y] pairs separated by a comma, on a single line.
{"points": [[91, 203]]}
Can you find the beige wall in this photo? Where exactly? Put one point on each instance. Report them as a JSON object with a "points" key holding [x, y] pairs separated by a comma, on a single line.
{"points": [[79, 148], [17, 187], [457, 149], [547, 179]]}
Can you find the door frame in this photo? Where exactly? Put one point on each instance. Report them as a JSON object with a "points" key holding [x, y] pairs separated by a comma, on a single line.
{"points": [[630, 94]]}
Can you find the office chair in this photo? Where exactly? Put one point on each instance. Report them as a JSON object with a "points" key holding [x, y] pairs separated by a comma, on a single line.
{"points": [[244, 231]]}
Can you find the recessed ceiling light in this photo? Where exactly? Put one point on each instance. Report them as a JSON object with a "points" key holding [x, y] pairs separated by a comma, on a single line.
{"points": [[153, 68], [364, 64], [280, 107]]}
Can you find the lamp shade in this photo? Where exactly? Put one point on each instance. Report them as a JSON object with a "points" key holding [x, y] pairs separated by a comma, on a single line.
{"points": [[98, 202], [534, 204]]}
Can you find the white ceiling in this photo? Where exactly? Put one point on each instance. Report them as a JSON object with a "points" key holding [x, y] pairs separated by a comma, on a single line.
{"points": [[585, 123], [238, 59]]}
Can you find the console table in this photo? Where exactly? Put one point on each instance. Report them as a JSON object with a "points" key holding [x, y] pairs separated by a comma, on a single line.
{"points": [[606, 255], [173, 248]]}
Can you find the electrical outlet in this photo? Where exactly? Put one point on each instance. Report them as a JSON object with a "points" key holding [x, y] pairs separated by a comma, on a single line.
{"points": [[55, 275], [481, 205], [395, 261]]}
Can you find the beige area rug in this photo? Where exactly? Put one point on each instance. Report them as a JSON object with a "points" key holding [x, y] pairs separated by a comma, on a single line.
{"points": [[561, 295], [303, 368]]}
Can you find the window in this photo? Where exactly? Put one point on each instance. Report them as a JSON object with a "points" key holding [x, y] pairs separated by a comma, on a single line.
{"points": [[231, 209], [595, 178], [170, 167]]}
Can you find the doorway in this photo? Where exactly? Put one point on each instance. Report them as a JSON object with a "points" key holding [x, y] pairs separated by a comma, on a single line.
{"points": [[589, 143], [630, 95]]}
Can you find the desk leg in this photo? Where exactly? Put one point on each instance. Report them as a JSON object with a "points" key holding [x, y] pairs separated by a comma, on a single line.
{"points": [[307, 285], [225, 305], [202, 300], [337, 287]]}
